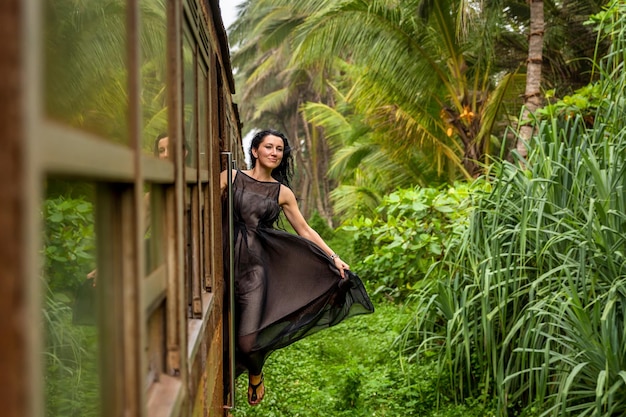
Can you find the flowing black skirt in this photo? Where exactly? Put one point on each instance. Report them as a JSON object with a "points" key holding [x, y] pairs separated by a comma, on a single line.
{"points": [[286, 288]]}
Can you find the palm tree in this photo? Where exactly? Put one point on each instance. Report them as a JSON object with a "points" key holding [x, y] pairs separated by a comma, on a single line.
{"points": [[86, 70], [569, 45], [364, 164], [532, 95], [421, 79], [271, 92], [427, 82]]}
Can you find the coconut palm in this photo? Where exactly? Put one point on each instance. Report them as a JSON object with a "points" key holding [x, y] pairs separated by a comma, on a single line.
{"points": [[427, 84], [365, 165], [533, 314], [557, 28], [271, 92], [86, 75]]}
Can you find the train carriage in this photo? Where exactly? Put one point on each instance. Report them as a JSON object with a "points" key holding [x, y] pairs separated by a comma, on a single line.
{"points": [[116, 117]]}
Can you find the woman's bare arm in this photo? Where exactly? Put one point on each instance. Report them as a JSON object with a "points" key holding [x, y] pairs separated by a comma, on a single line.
{"points": [[224, 179], [288, 202]]}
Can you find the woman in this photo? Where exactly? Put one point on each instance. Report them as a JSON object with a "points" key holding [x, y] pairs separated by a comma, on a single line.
{"points": [[162, 148], [286, 286]]}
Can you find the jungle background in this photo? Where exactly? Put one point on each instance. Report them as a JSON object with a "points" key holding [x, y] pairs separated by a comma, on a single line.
{"points": [[467, 159]]}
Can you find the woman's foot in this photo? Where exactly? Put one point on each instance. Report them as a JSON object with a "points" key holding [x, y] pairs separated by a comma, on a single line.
{"points": [[256, 389]]}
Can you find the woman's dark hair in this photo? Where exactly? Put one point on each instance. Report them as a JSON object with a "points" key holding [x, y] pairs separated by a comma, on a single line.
{"points": [[283, 172]]}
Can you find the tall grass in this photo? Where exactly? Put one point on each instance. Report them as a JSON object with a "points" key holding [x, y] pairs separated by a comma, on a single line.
{"points": [[533, 313]]}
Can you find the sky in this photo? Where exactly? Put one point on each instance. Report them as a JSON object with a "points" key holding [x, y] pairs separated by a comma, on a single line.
{"points": [[229, 11], [229, 14]]}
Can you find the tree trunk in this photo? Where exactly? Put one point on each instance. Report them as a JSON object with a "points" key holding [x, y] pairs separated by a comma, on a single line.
{"points": [[532, 95], [317, 163]]}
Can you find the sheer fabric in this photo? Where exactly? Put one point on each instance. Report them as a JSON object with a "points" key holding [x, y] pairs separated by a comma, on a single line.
{"points": [[286, 287]]}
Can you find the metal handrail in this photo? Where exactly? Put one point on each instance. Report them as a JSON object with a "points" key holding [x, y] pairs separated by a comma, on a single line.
{"points": [[231, 275]]}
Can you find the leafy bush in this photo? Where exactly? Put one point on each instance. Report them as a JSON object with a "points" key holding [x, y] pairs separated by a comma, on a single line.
{"points": [[414, 228], [71, 378], [352, 370], [534, 311], [584, 102], [69, 242]]}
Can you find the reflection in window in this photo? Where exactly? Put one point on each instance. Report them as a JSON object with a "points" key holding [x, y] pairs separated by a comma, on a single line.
{"points": [[189, 62], [162, 147], [203, 116], [154, 234], [153, 72], [155, 344], [85, 66], [70, 284]]}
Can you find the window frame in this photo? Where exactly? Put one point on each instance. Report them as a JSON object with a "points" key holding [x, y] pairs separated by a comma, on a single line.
{"points": [[157, 298]]}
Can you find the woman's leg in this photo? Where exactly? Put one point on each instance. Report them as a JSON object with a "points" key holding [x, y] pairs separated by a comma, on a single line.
{"points": [[256, 389], [250, 309]]}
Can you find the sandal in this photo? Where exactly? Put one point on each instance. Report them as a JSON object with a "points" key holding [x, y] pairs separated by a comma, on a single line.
{"points": [[253, 398]]}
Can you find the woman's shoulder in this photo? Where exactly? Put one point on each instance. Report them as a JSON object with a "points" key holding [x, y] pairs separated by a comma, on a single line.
{"points": [[224, 178], [224, 173], [286, 195]]}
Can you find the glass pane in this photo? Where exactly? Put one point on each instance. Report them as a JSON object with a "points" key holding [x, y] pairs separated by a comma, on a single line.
{"points": [[153, 77], [154, 234], [85, 66], [188, 251], [70, 284], [207, 237], [193, 258], [203, 118], [155, 344], [189, 63]]}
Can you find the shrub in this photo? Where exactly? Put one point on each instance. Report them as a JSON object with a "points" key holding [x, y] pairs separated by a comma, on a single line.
{"points": [[414, 228], [534, 311], [69, 242], [71, 378]]}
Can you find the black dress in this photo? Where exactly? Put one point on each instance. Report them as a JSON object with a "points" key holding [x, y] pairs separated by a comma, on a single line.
{"points": [[286, 287]]}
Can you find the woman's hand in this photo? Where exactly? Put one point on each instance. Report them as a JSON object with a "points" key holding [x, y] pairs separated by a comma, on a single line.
{"points": [[341, 266]]}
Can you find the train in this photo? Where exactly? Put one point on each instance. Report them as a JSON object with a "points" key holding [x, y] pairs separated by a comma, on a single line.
{"points": [[117, 118]]}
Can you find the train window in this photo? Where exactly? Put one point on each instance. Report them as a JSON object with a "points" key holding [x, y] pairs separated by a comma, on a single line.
{"points": [[123, 124], [207, 236], [70, 284], [86, 71], [193, 254], [155, 344], [154, 225], [154, 91], [203, 117], [190, 109]]}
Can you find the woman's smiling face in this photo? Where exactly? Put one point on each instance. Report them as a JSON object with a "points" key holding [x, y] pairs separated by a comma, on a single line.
{"points": [[270, 152]]}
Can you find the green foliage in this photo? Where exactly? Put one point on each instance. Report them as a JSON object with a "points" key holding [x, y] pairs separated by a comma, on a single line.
{"points": [[583, 102], [71, 378], [321, 226], [354, 370], [69, 242], [413, 229], [533, 313]]}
